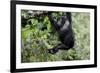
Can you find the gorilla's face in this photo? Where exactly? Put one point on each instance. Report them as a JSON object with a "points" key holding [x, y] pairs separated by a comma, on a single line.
{"points": [[63, 23]]}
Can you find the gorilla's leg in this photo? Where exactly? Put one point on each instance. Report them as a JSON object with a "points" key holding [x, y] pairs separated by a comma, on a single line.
{"points": [[56, 48]]}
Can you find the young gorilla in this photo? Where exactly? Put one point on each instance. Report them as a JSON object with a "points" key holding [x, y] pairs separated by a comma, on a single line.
{"points": [[63, 27]]}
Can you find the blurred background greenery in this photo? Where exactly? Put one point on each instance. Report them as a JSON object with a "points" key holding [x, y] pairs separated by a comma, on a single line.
{"points": [[38, 35]]}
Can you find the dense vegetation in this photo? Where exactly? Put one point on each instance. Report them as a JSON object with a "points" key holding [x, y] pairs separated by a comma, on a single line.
{"points": [[38, 35]]}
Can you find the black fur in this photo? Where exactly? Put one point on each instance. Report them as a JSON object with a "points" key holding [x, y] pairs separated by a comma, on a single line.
{"points": [[64, 28]]}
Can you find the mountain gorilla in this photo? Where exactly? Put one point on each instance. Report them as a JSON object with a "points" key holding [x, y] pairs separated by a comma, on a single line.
{"points": [[63, 26]]}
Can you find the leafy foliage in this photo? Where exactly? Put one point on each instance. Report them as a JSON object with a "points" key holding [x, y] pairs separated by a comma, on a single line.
{"points": [[38, 35]]}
